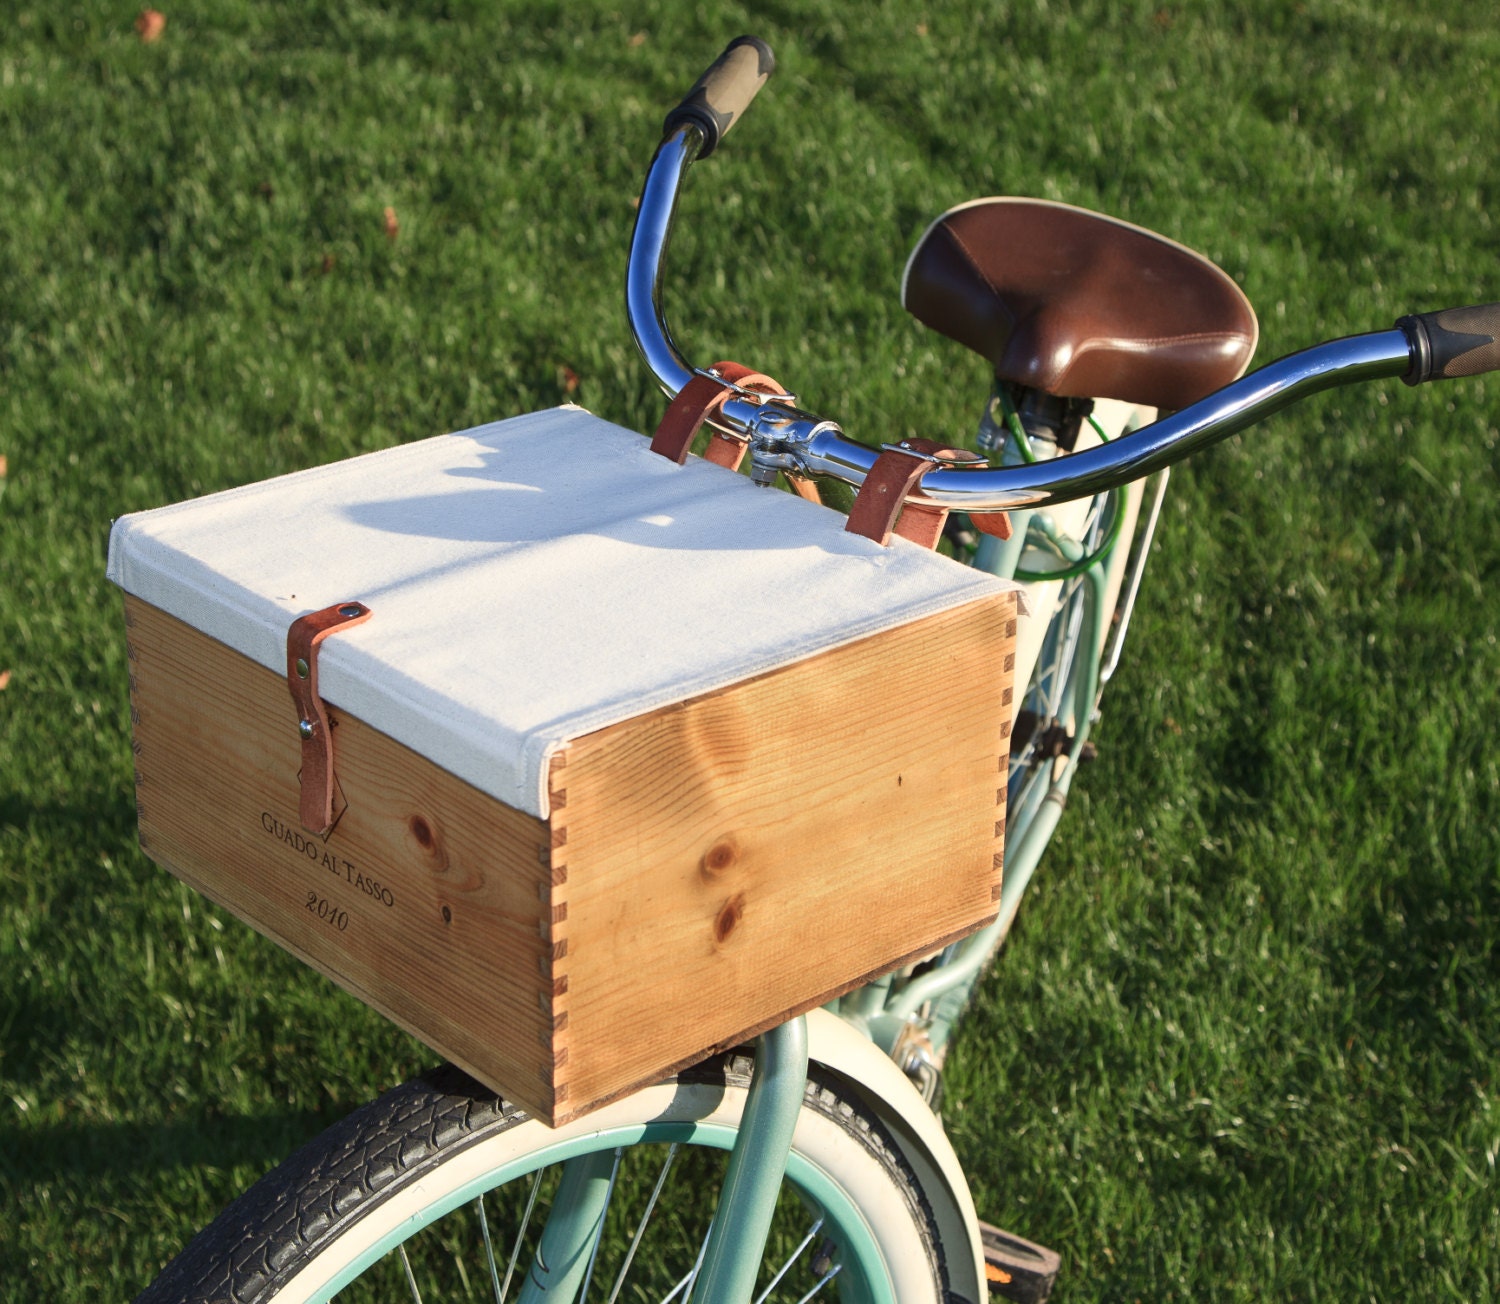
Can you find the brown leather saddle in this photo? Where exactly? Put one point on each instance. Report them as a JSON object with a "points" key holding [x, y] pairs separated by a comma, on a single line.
{"points": [[1079, 305]]}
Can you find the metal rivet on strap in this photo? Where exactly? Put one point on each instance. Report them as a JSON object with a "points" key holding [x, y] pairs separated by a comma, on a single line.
{"points": [[316, 778]]}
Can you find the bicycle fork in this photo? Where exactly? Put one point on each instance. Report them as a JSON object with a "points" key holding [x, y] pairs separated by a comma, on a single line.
{"points": [[731, 1256]]}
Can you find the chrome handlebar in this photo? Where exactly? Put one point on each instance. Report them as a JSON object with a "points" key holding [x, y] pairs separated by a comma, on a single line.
{"points": [[785, 438]]}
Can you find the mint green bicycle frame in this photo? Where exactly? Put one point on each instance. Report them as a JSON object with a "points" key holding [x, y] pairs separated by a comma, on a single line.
{"points": [[761, 1148], [789, 440]]}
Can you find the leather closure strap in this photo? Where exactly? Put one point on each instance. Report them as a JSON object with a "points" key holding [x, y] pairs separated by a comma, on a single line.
{"points": [[996, 523], [803, 488], [884, 505], [697, 402], [302, 642]]}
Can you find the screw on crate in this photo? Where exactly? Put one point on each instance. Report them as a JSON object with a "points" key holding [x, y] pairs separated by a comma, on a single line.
{"points": [[302, 642]]}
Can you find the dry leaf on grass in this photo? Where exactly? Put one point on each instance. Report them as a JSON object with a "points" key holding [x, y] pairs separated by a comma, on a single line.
{"points": [[392, 226], [151, 24], [4, 680]]}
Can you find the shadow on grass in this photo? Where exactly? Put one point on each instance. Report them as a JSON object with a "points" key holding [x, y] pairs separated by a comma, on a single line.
{"points": [[1422, 958], [99, 818], [108, 1150]]}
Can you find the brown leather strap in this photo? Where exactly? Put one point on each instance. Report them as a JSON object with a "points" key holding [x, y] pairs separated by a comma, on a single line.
{"points": [[696, 403], [302, 641], [996, 523], [804, 488], [883, 506], [922, 523]]}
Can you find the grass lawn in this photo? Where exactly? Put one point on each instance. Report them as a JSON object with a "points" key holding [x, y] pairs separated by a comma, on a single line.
{"points": [[1243, 1042]]}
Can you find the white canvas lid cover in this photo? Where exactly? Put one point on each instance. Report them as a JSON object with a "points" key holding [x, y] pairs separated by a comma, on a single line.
{"points": [[532, 580]]}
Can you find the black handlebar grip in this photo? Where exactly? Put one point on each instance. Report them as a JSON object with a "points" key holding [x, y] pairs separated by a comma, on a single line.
{"points": [[1454, 342], [724, 91]]}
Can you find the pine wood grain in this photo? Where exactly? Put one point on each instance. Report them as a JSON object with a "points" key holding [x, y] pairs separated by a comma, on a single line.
{"points": [[752, 853], [709, 869], [449, 944]]}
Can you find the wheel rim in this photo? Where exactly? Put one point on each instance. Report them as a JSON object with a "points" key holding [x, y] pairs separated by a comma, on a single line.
{"points": [[860, 1271]]}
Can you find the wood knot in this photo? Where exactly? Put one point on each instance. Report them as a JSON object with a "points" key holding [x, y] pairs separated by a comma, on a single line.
{"points": [[429, 841], [719, 858], [728, 918]]}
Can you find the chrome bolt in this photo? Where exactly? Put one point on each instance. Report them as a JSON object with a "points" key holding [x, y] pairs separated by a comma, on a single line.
{"points": [[305, 728], [350, 610], [301, 668]]}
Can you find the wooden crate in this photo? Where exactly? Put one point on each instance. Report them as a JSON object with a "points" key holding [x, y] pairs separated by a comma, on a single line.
{"points": [[702, 871]]}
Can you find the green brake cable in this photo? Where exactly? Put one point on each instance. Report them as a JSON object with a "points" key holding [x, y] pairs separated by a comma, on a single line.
{"points": [[1111, 535], [1013, 424]]}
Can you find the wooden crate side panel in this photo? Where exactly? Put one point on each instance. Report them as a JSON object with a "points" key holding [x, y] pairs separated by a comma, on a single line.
{"points": [[428, 900], [757, 851]]}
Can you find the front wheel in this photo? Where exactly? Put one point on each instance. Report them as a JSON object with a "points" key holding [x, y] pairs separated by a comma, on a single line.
{"points": [[439, 1190]]}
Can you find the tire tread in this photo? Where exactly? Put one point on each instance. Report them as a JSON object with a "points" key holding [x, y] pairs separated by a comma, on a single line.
{"points": [[261, 1240]]}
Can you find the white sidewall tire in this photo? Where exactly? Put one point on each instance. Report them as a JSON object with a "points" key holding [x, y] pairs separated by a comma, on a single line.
{"points": [[883, 1196]]}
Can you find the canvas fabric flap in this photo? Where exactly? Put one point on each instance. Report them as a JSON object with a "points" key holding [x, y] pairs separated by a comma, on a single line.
{"points": [[532, 581]]}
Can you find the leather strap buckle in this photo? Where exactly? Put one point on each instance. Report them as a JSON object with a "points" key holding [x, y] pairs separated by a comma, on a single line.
{"points": [[743, 387], [302, 642], [701, 398], [885, 504]]}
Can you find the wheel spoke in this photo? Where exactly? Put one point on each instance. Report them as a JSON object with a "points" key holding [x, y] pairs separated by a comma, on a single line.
{"points": [[822, 1281], [411, 1280], [786, 1267], [635, 1243], [687, 1282], [515, 1254], [489, 1250]]}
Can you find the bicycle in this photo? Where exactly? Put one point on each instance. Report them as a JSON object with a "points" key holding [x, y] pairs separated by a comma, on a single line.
{"points": [[889, 1215]]}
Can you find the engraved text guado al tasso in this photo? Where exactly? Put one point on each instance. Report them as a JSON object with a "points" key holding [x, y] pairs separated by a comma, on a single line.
{"points": [[322, 857]]}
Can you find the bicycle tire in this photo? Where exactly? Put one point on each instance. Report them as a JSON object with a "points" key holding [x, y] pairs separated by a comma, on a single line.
{"points": [[429, 1145]]}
